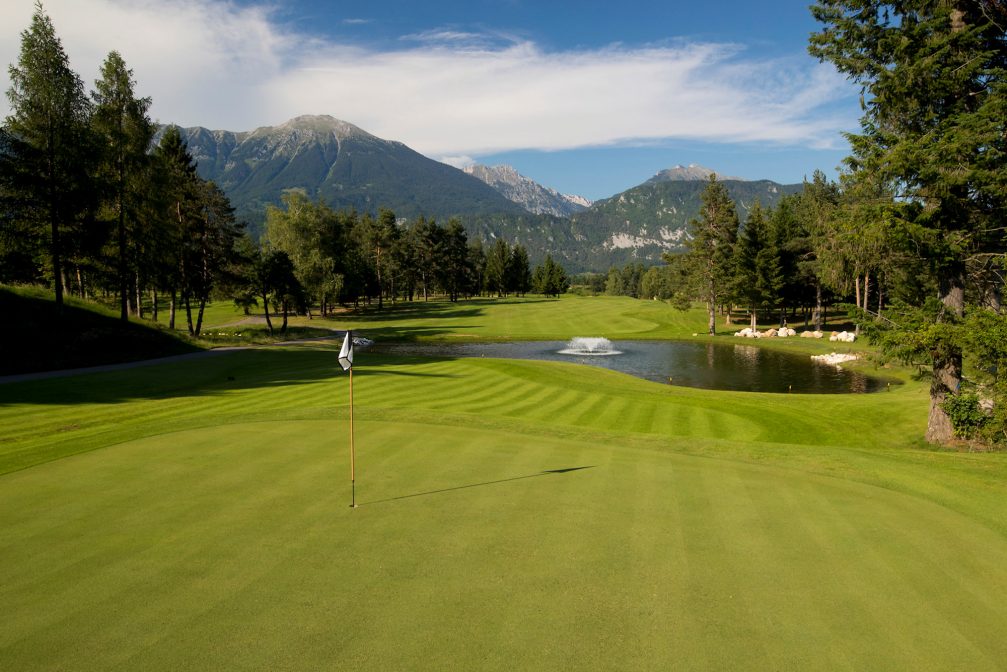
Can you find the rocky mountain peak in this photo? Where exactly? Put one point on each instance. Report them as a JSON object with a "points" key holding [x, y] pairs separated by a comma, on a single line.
{"points": [[526, 192], [691, 173]]}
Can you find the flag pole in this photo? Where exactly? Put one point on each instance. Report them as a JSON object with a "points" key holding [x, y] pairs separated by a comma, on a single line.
{"points": [[346, 362], [353, 479]]}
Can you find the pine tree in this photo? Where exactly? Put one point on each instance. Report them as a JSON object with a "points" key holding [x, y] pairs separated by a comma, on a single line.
{"points": [[50, 148], [934, 89], [497, 267], [709, 259], [759, 278], [123, 132], [520, 270], [455, 267], [180, 185]]}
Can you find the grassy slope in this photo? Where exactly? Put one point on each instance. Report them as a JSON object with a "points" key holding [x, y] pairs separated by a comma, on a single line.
{"points": [[713, 530], [85, 335]]}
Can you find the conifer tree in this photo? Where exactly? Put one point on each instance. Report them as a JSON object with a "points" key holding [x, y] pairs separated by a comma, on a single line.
{"points": [[123, 131], [50, 143], [933, 78], [709, 259]]}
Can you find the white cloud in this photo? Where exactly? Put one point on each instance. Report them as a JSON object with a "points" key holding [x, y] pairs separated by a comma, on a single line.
{"points": [[448, 92], [456, 161]]}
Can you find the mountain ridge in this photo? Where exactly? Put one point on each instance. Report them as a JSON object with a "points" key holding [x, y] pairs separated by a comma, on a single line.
{"points": [[339, 162], [527, 193], [347, 167]]}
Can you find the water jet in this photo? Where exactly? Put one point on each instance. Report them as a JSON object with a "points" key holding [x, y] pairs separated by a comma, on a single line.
{"points": [[590, 346]]}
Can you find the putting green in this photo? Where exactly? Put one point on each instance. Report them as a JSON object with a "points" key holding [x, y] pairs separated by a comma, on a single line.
{"points": [[480, 547]]}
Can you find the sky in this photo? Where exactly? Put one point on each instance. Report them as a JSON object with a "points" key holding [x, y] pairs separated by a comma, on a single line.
{"points": [[589, 97]]}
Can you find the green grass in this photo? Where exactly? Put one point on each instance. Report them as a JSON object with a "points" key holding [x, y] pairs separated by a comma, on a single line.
{"points": [[195, 515]]}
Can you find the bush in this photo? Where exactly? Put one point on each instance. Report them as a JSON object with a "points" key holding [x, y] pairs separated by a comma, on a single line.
{"points": [[967, 416]]}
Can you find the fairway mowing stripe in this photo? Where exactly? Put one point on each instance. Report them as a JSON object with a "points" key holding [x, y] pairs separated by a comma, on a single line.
{"points": [[677, 420], [785, 593], [544, 404], [727, 576], [660, 571], [559, 407], [916, 566], [490, 396], [591, 405], [856, 583], [644, 414]]}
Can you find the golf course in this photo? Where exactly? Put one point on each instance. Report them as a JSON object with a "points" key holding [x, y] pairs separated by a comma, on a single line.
{"points": [[512, 515]]}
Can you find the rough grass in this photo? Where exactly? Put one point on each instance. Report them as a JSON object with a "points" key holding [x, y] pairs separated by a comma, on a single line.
{"points": [[514, 515]]}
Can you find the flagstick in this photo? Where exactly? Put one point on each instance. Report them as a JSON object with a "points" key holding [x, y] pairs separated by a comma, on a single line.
{"points": [[353, 481]]}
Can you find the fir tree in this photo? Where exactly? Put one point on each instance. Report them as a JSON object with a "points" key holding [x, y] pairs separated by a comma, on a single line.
{"points": [[933, 77], [50, 148]]}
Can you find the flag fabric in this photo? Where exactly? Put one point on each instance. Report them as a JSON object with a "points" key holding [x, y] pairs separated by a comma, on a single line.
{"points": [[346, 352]]}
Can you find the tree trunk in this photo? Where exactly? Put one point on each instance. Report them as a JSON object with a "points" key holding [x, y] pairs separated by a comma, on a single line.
{"points": [[881, 298], [199, 316], [123, 285], [754, 319], [265, 307], [816, 316], [139, 297], [188, 313], [171, 309], [947, 366], [283, 327], [57, 270], [153, 302]]}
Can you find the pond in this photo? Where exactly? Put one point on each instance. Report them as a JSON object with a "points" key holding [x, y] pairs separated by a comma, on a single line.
{"points": [[704, 365]]}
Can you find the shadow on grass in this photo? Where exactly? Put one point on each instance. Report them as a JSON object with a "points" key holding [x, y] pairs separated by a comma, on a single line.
{"points": [[545, 472], [211, 374]]}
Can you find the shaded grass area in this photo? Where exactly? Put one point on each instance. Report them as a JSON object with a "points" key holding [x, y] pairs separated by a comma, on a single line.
{"points": [[37, 339], [88, 334]]}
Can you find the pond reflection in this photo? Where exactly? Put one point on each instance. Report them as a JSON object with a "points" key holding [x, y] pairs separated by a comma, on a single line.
{"points": [[703, 365]]}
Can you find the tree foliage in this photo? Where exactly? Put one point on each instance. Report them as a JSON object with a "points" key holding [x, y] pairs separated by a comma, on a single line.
{"points": [[933, 77], [49, 151]]}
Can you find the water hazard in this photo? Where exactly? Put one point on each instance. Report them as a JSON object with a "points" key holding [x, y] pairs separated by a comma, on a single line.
{"points": [[703, 365]]}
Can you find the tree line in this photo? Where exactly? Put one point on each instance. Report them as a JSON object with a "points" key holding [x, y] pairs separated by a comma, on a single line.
{"points": [[913, 234], [90, 205]]}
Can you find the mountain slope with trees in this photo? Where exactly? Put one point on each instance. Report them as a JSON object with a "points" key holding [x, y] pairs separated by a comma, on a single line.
{"points": [[339, 163]]}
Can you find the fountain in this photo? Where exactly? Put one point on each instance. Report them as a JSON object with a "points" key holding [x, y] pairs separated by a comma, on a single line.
{"points": [[590, 346]]}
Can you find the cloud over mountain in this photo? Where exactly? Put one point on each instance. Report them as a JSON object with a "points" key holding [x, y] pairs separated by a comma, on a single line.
{"points": [[445, 92]]}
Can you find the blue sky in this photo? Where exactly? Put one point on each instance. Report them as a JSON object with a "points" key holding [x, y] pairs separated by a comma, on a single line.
{"points": [[587, 97]]}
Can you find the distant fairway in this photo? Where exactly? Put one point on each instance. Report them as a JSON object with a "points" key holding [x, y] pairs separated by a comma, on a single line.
{"points": [[514, 515]]}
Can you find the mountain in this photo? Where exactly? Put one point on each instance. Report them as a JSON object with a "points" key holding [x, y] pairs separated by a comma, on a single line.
{"points": [[350, 168], [643, 222], [527, 193], [690, 173], [340, 163]]}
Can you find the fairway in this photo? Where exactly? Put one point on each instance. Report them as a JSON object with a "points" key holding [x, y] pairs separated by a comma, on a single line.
{"points": [[513, 515], [235, 548]]}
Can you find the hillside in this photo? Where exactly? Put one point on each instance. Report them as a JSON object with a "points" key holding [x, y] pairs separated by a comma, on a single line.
{"points": [[340, 163], [643, 222], [527, 193], [349, 168], [86, 335]]}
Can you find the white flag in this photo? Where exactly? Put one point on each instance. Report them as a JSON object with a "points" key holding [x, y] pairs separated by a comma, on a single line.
{"points": [[346, 353]]}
